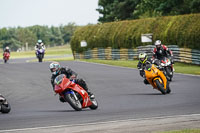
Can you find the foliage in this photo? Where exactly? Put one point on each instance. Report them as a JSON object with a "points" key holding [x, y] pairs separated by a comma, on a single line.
{"points": [[18, 37], [114, 10], [183, 30]]}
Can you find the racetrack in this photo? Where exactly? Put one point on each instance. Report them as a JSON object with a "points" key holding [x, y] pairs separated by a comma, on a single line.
{"points": [[120, 92]]}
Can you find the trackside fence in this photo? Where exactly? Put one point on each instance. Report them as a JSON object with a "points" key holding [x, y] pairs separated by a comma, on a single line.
{"points": [[186, 55]]}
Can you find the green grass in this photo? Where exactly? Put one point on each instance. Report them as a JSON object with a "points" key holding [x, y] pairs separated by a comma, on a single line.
{"points": [[53, 51], [183, 131], [179, 67]]}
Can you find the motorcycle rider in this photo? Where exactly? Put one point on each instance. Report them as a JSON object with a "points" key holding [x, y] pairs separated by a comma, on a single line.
{"points": [[143, 60], [39, 45], [56, 70], [7, 49], [161, 51]]}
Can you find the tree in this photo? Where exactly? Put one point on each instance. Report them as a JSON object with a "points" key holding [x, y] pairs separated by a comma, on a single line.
{"points": [[67, 31], [114, 10]]}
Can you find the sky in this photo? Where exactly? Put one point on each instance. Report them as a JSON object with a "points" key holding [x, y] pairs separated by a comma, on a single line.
{"points": [[25, 13]]}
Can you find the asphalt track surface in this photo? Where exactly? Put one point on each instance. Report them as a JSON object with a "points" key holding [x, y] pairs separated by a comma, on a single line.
{"points": [[120, 92]]}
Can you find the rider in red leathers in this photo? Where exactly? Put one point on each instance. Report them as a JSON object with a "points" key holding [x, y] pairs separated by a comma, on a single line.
{"points": [[161, 51]]}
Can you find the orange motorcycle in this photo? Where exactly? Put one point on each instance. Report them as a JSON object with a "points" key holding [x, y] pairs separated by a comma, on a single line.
{"points": [[157, 79]]}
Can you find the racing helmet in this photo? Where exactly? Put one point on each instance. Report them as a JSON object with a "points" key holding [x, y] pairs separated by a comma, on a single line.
{"points": [[54, 68], [39, 41], [158, 43], [143, 57], [7, 48]]}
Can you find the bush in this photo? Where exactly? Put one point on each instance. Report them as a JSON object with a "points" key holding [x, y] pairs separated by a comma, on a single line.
{"points": [[182, 30]]}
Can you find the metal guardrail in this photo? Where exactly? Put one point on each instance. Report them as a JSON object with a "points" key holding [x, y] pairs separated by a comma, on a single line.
{"points": [[180, 54]]}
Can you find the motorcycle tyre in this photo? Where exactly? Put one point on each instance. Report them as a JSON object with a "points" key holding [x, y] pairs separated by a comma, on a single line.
{"points": [[5, 109], [94, 104], [72, 103], [169, 77], [160, 87], [168, 88], [5, 61], [40, 58]]}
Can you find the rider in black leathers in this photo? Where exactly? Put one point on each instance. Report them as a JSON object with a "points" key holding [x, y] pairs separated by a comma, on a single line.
{"points": [[143, 61], [56, 70]]}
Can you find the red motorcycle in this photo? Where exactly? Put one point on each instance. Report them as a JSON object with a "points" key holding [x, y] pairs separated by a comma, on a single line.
{"points": [[6, 56], [74, 94]]}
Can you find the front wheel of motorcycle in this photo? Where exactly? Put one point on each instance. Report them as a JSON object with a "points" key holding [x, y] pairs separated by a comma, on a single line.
{"points": [[94, 104], [160, 87], [5, 61], [5, 108], [73, 101], [169, 73]]}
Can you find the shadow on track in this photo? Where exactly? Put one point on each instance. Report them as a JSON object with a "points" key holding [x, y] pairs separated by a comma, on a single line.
{"points": [[145, 94], [61, 110]]}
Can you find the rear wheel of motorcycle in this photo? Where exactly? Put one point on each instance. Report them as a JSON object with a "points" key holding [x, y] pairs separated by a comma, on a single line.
{"points": [[5, 108], [94, 104], [160, 86], [76, 104]]}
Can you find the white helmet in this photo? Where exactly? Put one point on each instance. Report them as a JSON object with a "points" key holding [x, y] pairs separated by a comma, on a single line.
{"points": [[7, 48], [39, 41], [54, 68], [158, 42]]}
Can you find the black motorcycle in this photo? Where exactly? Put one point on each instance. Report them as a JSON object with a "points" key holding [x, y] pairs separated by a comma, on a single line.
{"points": [[4, 105], [168, 68]]}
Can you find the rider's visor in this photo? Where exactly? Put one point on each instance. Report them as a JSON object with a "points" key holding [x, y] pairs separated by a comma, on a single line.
{"points": [[53, 69], [142, 59], [157, 46]]}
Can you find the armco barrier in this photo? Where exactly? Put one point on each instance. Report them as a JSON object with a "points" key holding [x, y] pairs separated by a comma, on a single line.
{"points": [[180, 54]]}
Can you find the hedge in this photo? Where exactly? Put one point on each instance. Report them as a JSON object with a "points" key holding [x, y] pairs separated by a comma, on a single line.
{"points": [[182, 30]]}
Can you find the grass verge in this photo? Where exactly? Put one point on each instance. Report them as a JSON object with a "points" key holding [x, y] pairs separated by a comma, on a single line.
{"points": [[183, 131], [52, 51], [179, 67]]}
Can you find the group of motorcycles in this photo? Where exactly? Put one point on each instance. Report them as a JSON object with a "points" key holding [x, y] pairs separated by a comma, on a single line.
{"points": [[78, 98], [159, 76], [39, 54]]}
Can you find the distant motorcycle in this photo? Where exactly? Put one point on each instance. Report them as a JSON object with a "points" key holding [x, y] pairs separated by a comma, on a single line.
{"points": [[167, 68], [74, 94], [157, 79], [6, 56], [40, 54], [4, 105]]}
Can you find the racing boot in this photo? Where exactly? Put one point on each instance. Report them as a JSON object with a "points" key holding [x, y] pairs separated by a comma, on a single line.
{"points": [[61, 99], [146, 81], [91, 95]]}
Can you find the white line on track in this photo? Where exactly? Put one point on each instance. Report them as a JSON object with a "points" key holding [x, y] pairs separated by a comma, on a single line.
{"points": [[97, 123]]}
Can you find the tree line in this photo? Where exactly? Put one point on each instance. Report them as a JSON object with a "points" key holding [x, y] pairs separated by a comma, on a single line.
{"points": [[18, 37], [116, 10]]}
